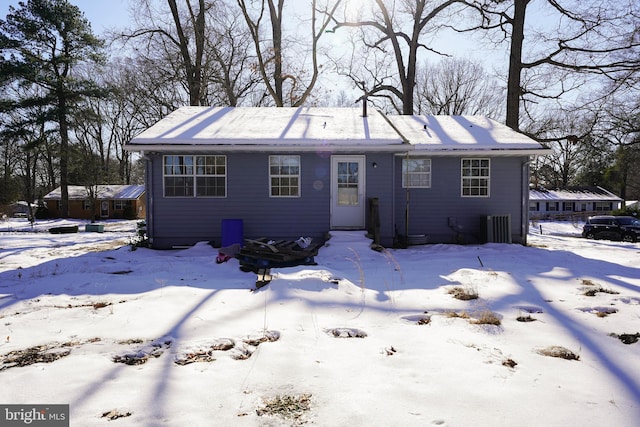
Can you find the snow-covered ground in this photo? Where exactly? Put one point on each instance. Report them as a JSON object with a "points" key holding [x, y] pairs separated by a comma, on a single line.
{"points": [[363, 338]]}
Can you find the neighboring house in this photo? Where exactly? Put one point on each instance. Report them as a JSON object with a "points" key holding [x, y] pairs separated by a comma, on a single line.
{"points": [[20, 209], [632, 204], [111, 201], [292, 172], [574, 202]]}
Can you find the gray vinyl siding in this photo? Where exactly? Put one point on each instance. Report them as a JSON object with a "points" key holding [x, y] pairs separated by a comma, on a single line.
{"points": [[445, 216], [183, 221], [380, 184], [440, 212]]}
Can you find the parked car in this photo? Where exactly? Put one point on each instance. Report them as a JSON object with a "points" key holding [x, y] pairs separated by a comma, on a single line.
{"points": [[625, 228]]}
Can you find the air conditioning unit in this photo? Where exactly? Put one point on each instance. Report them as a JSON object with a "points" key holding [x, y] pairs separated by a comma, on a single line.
{"points": [[497, 228]]}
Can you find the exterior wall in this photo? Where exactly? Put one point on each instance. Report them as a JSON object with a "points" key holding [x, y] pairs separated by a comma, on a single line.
{"points": [[439, 212], [445, 216], [182, 221], [380, 185], [579, 209], [76, 209]]}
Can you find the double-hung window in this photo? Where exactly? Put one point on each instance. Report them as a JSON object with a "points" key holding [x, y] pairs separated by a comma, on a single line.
{"points": [[211, 176], [475, 177], [195, 176], [416, 173], [284, 176]]}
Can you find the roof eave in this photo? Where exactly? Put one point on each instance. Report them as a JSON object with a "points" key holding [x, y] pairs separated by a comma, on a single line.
{"points": [[394, 147]]}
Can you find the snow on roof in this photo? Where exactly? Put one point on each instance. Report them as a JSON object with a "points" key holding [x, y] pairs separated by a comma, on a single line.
{"points": [[117, 192], [574, 193], [460, 133], [235, 128], [269, 126]]}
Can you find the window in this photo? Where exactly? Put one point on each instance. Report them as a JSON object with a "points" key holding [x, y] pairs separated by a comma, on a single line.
{"points": [[552, 206], [195, 176], [86, 204], [475, 177], [284, 176], [534, 206], [211, 173], [567, 206], [120, 205], [602, 206], [416, 173]]}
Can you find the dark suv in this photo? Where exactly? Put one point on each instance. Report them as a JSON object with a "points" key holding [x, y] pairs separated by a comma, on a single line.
{"points": [[625, 228]]}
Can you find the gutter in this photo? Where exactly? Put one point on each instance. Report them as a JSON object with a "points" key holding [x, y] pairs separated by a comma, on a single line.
{"points": [[398, 149]]}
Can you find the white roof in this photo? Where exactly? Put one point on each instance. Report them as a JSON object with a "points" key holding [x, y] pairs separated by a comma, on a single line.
{"points": [[460, 133], [312, 128], [575, 194], [117, 192], [269, 126]]}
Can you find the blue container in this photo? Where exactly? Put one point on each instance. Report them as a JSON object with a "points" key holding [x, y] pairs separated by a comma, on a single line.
{"points": [[232, 232]]}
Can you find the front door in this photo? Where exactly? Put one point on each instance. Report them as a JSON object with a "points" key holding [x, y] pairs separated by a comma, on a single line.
{"points": [[104, 209], [347, 192]]}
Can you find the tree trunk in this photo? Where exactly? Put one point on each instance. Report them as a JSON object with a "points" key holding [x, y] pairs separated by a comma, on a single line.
{"points": [[64, 156], [276, 34], [514, 85]]}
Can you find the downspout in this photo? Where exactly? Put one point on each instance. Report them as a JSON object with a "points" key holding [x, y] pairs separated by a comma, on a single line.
{"points": [[405, 142], [148, 180], [524, 220]]}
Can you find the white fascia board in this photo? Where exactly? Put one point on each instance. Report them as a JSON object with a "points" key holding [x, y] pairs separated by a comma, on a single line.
{"points": [[394, 147], [489, 153], [199, 148]]}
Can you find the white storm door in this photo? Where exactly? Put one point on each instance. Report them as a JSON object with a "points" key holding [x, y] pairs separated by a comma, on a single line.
{"points": [[347, 192]]}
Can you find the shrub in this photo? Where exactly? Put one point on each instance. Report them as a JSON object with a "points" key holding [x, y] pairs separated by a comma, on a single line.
{"points": [[42, 212]]}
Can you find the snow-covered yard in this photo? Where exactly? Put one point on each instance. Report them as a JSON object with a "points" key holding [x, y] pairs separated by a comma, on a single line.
{"points": [[363, 338]]}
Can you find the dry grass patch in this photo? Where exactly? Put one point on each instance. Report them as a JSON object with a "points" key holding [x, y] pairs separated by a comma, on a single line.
{"points": [[114, 414], [346, 333], [591, 292], [627, 338], [487, 317], [46, 353], [195, 356], [143, 356], [287, 407], [509, 363], [464, 293], [457, 314], [558, 351]]}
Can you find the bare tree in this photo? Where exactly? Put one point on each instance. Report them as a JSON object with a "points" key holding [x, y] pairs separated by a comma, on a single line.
{"points": [[400, 29], [230, 70], [275, 68], [180, 35], [558, 55], [196, 45], [458, 86]]}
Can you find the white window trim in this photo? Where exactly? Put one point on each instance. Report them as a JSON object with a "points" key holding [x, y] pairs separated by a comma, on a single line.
{"points": [[194, 175], [405, 175], [487, 178], [299, 176]]}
